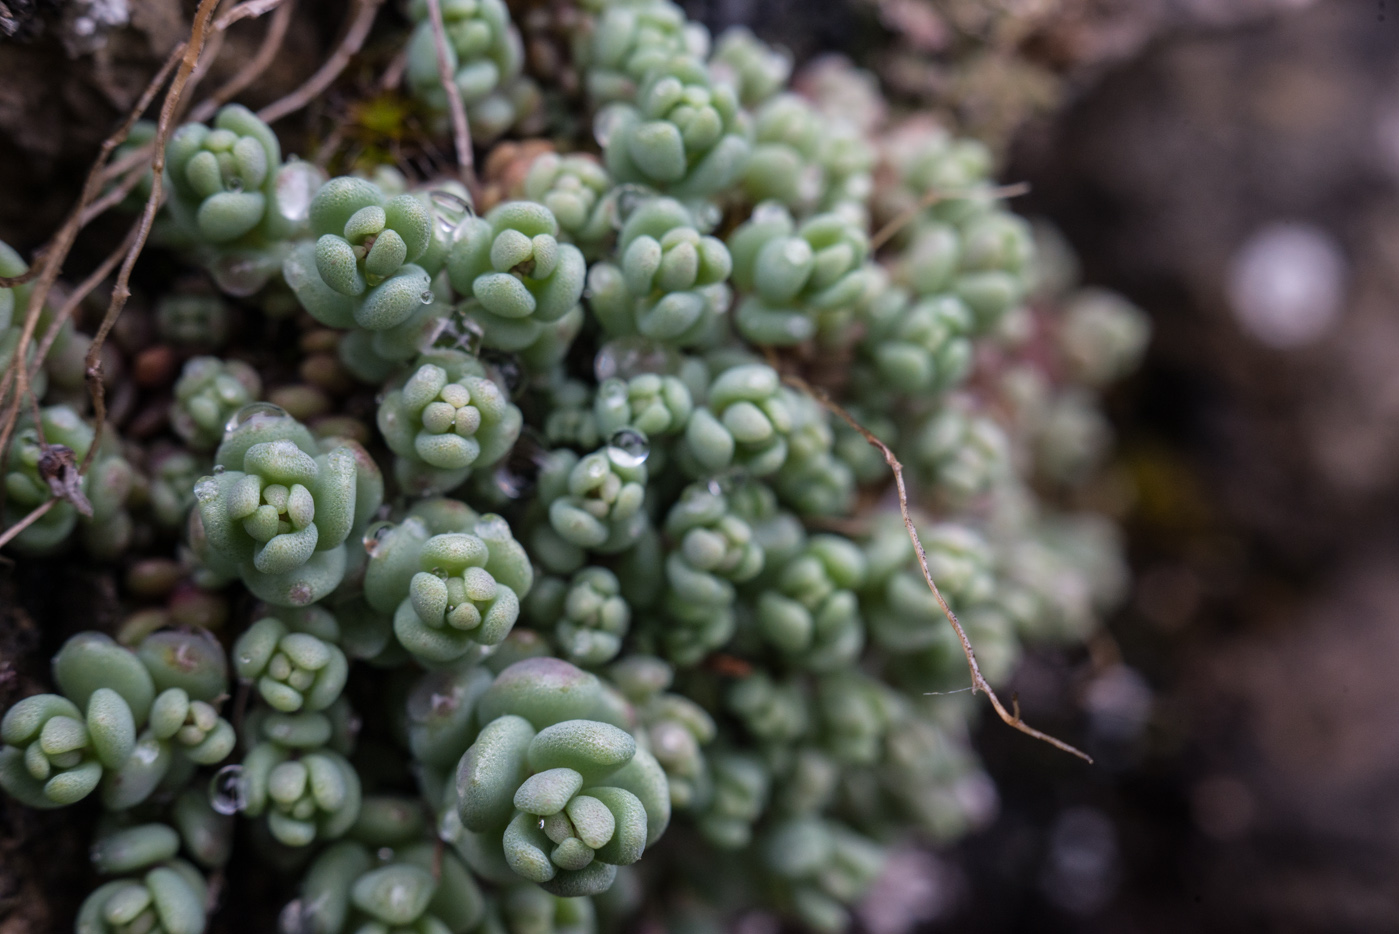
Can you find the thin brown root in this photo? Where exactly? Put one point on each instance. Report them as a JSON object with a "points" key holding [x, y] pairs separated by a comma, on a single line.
{"points": [[461, 130], [887, 232], [255, 66], [979, 682], [34, 516], [9, 282], [199, 34], [355, 33]]}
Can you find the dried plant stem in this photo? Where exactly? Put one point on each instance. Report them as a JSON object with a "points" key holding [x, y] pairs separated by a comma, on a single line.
{"points": [[255, 66], [979, 682], [56, 251], [887, 232], [199, 34], [461, 130], [9, 282], [34, 516], [355, 34]]}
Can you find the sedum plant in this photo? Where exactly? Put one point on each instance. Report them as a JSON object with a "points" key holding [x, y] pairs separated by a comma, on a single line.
{"points": [[626, 569]]}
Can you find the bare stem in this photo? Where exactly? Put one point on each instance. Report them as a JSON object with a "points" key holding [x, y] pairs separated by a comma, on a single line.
{"points": [[255, 66], [355, 34], [34, 516], [979, 682], [199, 34], [887, 232], [461, 130]]}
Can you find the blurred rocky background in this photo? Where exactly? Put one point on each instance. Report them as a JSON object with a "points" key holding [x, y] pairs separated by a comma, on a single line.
{"points": [[1233, 167]]}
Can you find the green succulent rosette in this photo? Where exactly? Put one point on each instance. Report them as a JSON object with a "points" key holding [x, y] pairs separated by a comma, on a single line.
{"points": [[742, 787], [292, 670], [40, 466], [192, 320], [484, 56], [755, 69], [568, 798], [812, 479], [682, 135], [522, 278], [796, 274], [280, 507], [528, 909], [587, 614], [808, 161], [208, 393], [671, 727], [446, 418], [713, 549], [451, 593], [416, 890], [822, 867], [575, 189], [913, 348], [122, 720], [959, 454], [168, 898], [630, 40], [810, 610], [305, 792], [234, 199], [902, 613], [593, 504], [668, 279], [361, 270], [1101, 336], [658, 406], [744, 423]]}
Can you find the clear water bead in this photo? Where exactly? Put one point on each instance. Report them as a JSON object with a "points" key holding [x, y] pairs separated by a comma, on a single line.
{"points": [[626, 199], [374, 537], [492, 528], [628, 448], [297, 183], [626, 357], [426, 297], [460, 331], [451, 209], [250, 413], [606, 123], [227, 793]]}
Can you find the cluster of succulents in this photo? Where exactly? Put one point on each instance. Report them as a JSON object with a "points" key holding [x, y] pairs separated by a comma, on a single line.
{"points": [[527, 537]]}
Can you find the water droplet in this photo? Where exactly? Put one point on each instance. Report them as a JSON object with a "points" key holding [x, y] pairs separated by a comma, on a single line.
{"points": [[769, 212], [234, 184], [441, 572], [625, 200], [606, 123], [451, 208], [296, 918], [519, 471], [492, 528], [708, 216], [243, 273], [374, 537], [227, 793], [459, 331], [628, 448], [613, 392], [510, 375], [426, 297], [255, 411], [385, 853], [219, 468], [626, 357]]}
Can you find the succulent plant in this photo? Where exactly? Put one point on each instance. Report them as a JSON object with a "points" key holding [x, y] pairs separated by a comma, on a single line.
{"points": [[607, 452], [522, 278]]}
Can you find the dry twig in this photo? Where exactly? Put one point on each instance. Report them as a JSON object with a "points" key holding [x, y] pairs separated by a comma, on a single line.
{"points": [[199, 33], [979, 682], [355, 34], [461, 130], [887, 232], [255, 66], [34, 516], [56, 251]]}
